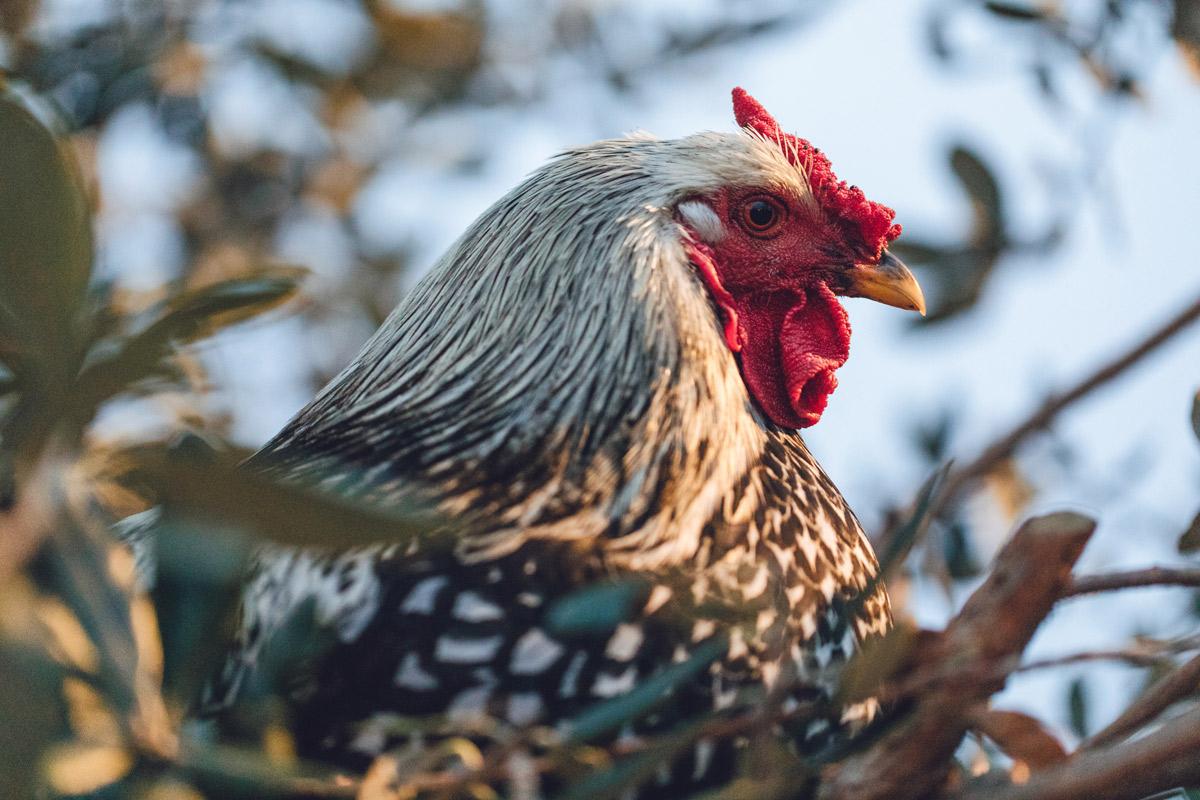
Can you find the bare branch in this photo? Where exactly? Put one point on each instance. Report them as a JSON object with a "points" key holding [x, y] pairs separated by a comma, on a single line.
{"points": [[960, 480], [1153, 576], [1162, 760], [911, 759], [1169, 689]]}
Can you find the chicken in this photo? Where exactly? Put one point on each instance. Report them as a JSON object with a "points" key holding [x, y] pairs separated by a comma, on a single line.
{"points": [[603, 377]]}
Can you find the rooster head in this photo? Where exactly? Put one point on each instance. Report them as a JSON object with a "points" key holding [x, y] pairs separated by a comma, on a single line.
{"points": [[776, 256]]}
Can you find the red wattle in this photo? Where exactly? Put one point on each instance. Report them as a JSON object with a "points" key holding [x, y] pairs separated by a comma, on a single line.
{"points": [[792, 344], [789, 343]]}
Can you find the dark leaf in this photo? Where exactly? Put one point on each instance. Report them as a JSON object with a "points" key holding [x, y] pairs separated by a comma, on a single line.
{"points": [[915, 251], [295, 643], [959, 552], [33, 713], [616, 780], [1189, 542], [607, 717], [198, 574], [1196, 415], [904, 536], [1077, 708], [597, 609], [45, 237], [983, 189], [73, 565], [1021, 737], [1019, 13], [933, 435]]}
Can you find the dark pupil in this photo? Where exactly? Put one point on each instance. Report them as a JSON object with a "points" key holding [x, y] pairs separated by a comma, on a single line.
{"points": [[761, 214]]}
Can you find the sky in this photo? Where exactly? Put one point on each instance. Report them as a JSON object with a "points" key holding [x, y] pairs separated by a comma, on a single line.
{"points": [[859, 82]]}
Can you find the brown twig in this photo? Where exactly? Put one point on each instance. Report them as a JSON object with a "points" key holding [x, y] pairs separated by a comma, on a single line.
{"points": [[1172, 687], [911, 759], [1161, 760], [1153, 576], [964, 477]]}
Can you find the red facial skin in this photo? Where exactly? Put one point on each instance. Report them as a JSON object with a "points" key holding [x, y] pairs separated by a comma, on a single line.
{"points": [[776, 290]]}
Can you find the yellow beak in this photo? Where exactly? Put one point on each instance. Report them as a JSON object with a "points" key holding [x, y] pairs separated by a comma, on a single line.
{"points": [[888, 282]]}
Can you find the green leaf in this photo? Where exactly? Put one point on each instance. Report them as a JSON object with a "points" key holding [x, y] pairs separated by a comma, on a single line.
{"points": [[202, 312], [879, 658], [186, 318], [607, 717], [597, 609], [45, 238], [219, 492]]}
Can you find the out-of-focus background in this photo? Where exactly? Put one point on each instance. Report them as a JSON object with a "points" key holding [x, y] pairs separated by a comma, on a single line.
{"points": [[1043, 158]]}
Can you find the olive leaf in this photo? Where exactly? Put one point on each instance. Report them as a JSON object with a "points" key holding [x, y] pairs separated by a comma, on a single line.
{"points": [[45, 238], [185, 318]]}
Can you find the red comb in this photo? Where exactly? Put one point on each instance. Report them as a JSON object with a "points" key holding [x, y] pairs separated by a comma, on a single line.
{"points": [[868, 224]]}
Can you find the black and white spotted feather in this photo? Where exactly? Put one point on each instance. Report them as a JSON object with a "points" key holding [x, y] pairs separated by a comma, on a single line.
{"points": [[559, 382]]}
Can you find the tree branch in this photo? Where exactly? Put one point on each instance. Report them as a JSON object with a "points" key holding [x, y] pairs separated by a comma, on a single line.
{"points": [[1162, 760], [1172, 687], [960, 480], [912, 757], [1152, 576]]}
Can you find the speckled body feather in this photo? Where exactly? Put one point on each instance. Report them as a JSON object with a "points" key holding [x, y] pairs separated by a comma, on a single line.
{"points": [[560, 382]]}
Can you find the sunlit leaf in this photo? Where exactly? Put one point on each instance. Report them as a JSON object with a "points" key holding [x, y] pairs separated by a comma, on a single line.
{"points": [[1021, 737], [239, 773], [75, 769], [607, 717]]}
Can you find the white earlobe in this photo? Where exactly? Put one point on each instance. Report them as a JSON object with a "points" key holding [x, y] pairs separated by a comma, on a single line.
{"points": [[702, 220]]}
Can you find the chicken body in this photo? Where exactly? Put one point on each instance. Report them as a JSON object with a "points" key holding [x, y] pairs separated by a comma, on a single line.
{"points": [[564, 385]]}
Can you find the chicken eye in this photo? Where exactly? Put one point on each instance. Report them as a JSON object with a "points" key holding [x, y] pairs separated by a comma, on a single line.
{"points": [[762, 215]]}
